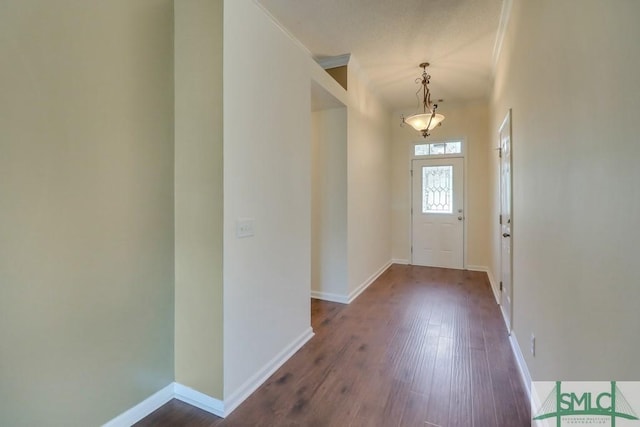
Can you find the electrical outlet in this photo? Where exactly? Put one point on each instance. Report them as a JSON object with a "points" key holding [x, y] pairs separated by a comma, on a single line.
{"points": [[533, 345]]}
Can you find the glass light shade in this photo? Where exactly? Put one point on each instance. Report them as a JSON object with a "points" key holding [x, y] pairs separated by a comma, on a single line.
{"points": [[420, 121]]}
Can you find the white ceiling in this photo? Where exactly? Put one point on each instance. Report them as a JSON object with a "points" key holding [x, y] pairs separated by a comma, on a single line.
{"points": [[389, 38]]}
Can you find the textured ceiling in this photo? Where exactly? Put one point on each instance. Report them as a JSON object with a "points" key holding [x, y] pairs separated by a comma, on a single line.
{"points": [[389, 38]]}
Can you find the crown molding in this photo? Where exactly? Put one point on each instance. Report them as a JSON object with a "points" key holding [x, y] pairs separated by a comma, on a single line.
{"points": [[505, 14], [281, 27], [334, 61]]}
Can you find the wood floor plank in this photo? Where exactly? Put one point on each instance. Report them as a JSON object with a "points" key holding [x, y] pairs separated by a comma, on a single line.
{"points": [[395, 404], [420, 347], [440, 395], [501, 363], [482, 398], [415, 410], [460, 395], [177, 413]]}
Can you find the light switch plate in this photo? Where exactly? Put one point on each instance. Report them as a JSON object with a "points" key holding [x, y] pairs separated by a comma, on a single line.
{"points": [[244, 227]]}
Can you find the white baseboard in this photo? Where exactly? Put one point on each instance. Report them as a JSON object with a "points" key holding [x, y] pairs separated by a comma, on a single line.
{"points": [[492, 282], [522, 364], [515, 347], [142, 409], [327, 296], [347, 299], [494, 286], [199, 400], [256, 380], [400, 261], [356, 292], [536, 404], [203, 401]]}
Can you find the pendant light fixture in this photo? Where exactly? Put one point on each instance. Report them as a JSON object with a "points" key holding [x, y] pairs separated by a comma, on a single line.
{"points": [[428, 119]]}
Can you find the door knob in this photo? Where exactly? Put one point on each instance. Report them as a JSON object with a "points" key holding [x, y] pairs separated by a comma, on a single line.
{"points": [[506, 235], [459, 218]]}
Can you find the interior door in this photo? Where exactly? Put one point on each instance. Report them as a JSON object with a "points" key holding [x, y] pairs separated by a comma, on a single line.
{"points": [[438, 212], [506, 297]]}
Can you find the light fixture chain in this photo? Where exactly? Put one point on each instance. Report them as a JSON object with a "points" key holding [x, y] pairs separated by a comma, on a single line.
{"points": [[425, 121]]}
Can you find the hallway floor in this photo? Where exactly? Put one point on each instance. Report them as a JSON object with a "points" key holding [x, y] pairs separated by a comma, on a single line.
{"points": [[420, 347]]}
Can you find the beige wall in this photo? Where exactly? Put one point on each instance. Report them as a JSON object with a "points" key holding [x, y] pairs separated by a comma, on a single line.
{"points": [[86, 208], [568, 70], [368, 180], [468, 122], [329, 202], [198, 195]]}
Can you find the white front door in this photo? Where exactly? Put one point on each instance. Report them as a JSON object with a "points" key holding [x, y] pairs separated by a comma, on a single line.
{"points": [[505, 221], [438, 212]]}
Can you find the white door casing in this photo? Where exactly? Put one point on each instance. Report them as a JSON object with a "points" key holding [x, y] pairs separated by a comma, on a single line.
{"points": [[438, 212], [506, 254]]}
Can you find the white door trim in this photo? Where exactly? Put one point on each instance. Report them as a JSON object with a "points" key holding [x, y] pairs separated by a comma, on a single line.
{"points": [[413, 157], [507, 312]]}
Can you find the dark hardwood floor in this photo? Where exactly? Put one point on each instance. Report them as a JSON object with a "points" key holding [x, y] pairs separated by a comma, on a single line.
{"points": [[420, 347]]}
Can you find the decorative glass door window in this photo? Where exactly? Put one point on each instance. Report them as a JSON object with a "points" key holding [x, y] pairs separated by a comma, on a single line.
{"points": [[437, 189], [438, 149]]}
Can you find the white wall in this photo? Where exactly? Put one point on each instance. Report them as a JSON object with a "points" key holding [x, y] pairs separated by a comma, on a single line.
{"points": [[266, 177], [568, 70], [368, 180], [470, 123], [86, 208], [329, 203]]}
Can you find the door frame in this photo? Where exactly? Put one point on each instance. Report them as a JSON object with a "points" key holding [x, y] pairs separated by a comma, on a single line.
{"points": [[462, 155], [505, 127]]}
